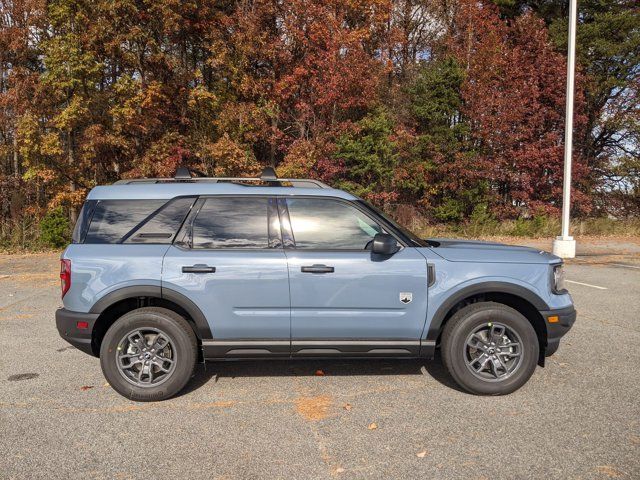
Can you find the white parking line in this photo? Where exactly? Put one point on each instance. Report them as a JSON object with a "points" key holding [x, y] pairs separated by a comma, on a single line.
{"points": [[623, 265], [587, 285]]}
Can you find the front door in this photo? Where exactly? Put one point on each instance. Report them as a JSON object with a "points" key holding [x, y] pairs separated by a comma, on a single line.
{"points": [[228, 260], [344, 298]]}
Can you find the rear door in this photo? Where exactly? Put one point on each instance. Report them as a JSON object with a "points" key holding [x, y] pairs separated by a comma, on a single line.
{"points": [[228, 259], [344, 298]]}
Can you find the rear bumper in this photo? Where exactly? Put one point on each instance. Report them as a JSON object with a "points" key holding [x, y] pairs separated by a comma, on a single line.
{"points": [[566, 317], [67, 323]]}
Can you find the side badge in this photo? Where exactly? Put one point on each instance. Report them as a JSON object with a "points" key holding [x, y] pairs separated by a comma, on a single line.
{"points": [[406, 297]]}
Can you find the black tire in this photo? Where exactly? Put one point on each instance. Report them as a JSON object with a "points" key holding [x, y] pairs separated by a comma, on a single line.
{"points": [[475, 316], [183, 344]]}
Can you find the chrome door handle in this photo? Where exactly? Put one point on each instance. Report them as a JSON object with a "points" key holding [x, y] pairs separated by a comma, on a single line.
{"points": [[199, 268], [317, 269]]}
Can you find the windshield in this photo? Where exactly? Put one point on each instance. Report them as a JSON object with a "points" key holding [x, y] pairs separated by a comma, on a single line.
{"points": [[417, 241]]}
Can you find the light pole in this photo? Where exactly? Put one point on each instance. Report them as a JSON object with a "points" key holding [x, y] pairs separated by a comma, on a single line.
{"points": [[565, 246]]}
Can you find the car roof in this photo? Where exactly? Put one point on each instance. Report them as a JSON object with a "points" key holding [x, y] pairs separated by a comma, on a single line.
{"points": [[161, 191]]}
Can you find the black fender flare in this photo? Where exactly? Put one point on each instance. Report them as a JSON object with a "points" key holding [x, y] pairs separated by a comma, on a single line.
{"points": [[524, 293], [155, 291]]}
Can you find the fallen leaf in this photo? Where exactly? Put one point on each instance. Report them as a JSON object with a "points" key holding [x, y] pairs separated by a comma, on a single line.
{"points": [[86, 387], [373, 426], [319, 373], [422, 454], [313, 408], [339, 470], [347, 407], [609, 471], [106, 384]]}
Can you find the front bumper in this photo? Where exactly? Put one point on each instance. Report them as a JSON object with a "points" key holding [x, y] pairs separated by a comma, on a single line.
{"points": [[566, 317], [67, 323]]}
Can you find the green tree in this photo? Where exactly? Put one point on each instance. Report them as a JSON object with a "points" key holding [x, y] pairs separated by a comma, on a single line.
{"points": [[369, 156]]}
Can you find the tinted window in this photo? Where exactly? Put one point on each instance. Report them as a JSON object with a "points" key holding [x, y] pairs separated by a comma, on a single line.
{"points": [[326, 224], [226, 222], [82, 224], [403, 230], [113, 219], [162, 227]]}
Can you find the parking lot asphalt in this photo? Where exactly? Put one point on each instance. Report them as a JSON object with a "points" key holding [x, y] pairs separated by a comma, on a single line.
{"points": [[579, 417]]}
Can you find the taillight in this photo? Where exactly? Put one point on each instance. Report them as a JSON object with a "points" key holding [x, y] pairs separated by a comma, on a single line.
{"points": [[65, 275]]}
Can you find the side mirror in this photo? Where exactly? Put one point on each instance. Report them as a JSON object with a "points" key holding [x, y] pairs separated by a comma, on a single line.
{"points": [[384, 244]]}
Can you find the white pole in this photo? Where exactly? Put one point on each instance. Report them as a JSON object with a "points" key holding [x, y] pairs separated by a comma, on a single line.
{"points": [[564, 245]]}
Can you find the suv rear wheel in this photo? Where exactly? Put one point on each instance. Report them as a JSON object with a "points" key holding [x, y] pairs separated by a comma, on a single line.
{"points": [[149, 354], [489, 348]]}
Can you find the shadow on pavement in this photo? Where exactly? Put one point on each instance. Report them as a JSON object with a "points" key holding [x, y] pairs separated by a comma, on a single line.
{"points": [[212, 371]]}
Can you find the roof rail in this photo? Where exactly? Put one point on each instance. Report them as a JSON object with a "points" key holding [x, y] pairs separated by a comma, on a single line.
{"points": [[268, 176]]}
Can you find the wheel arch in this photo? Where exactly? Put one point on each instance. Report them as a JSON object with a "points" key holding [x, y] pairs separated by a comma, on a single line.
{"points": [[521, 299], [115, 304]]}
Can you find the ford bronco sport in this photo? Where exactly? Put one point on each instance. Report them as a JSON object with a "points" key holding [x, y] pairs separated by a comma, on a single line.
{"points": [[163, 273]]}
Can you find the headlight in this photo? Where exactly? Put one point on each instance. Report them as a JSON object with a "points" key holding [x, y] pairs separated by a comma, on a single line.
{"points": [[558, 285]]}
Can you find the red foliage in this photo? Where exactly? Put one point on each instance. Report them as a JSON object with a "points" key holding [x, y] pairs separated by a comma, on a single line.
{"points": [[514, 98]]}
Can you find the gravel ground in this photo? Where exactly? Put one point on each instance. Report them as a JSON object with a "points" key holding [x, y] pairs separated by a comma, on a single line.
{"points": [[579, 417]]}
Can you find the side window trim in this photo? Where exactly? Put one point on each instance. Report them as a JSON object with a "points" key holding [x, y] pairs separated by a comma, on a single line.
{"points": [[184, 238], [284, 211], [288, 240], [274, 229]]}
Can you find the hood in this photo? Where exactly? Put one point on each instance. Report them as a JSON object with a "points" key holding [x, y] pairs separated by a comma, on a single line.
{"points": [[488, 252]]}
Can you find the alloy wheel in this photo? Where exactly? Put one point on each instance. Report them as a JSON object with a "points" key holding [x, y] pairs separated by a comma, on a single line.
{"points": [[493, 352], [146, 357]]}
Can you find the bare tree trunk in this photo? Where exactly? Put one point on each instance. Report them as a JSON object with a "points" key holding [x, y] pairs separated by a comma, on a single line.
{"points": [[272, 151], [73, 214], [16, 160]]}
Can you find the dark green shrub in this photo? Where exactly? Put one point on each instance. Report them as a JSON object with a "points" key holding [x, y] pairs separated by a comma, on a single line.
{"points": [[54, 229]]}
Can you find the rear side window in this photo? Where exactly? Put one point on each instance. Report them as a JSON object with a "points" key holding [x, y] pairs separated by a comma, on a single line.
{"points": [[227, 222], [136, 221], [162, 227], [80, 229]]}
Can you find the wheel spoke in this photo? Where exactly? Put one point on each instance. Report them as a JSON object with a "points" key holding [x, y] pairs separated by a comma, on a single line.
{"points": [[162, 367], [495, 367], [137, 340], [502, 364], [482, 360], [477, 342], [130, 364], [496, 333], [509, 354], [129, 355], [160, 342]]}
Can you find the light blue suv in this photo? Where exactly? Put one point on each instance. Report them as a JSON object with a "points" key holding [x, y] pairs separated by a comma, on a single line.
{"points": [[163, 273]]}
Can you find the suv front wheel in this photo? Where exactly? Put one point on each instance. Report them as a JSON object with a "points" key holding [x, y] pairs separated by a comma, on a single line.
{"points": [[489, 348], [149, 354]]}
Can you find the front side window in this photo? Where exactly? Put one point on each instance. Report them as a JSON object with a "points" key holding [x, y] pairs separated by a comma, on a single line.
{"points": [[227, 222], [326, 224]]}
